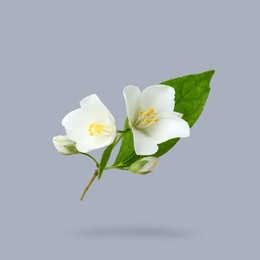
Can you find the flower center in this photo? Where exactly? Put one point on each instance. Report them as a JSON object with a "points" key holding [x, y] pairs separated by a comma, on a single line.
{"points": [[147, 118], [97, 129]]}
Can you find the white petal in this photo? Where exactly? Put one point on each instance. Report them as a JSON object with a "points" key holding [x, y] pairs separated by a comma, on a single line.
{"points": [[159, 97], [76, 124], [132, 96], [168, 128], [144, 144], [95, 143], [96, 108]]}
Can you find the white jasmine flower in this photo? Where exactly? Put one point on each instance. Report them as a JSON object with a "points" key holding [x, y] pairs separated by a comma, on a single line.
{"points": [[92, 126], [151, 117], [64, 145], [144, 165]]}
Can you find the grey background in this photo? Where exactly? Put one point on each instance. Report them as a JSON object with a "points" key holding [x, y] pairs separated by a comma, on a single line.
{"points": [[201, 202]]}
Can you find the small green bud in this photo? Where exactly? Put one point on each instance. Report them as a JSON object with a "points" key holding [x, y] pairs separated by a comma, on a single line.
{"points": [[64, 145], [144, 165]]}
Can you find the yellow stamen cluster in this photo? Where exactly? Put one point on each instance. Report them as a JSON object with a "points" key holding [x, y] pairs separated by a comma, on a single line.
{"points": [[147, 118], [96, 129]]}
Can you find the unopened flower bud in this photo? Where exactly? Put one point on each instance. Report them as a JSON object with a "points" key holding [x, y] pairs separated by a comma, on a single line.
{"points": [[64, 145], [144, 165]]}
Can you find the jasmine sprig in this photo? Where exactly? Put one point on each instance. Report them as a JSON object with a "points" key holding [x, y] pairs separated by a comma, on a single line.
{"points": [[157, 118]]}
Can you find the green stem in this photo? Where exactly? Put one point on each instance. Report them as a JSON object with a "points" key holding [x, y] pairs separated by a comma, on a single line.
{"points": [[110, 167], [123, 131], [88, 185], [93, 158], [116, 141], [119, 137]]}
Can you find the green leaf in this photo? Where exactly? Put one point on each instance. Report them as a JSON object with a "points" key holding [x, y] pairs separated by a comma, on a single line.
{"points": [[126, 150], [191, 93], [104, 159]]}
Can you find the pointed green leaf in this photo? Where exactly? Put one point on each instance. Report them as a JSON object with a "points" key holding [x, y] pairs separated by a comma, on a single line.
{"points": [[104, 159], [191, 93], [126, 150]]}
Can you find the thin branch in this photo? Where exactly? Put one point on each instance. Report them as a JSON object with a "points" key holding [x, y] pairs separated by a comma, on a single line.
{"points": [[93, 158], [89, 184]]}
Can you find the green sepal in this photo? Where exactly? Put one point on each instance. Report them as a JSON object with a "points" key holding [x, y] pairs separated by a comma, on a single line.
{"points": [[71, 148]]}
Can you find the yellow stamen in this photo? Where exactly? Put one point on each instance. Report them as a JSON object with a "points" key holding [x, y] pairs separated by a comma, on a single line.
{"points": [[97, 129], [147, 118]]}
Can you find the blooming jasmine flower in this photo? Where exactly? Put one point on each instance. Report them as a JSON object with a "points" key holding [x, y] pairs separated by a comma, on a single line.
{"points": [[92, 126], [151, 117]]}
